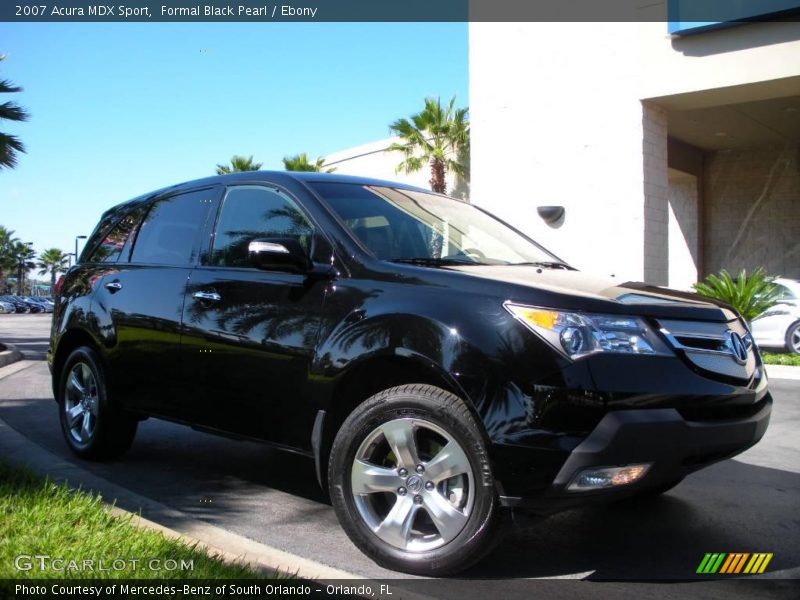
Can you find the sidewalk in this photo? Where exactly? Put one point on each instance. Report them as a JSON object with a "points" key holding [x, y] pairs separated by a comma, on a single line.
{"points": [[783, 372]]}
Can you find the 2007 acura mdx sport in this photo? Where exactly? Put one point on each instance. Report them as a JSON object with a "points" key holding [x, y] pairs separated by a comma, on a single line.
{"points": [[438, 366]]}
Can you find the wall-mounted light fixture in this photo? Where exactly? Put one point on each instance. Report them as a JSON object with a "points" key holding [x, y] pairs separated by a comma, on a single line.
{"points": [[550, 214]]}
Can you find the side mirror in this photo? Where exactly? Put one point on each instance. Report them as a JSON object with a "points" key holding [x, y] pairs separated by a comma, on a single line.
{"points": [[279, 254]]}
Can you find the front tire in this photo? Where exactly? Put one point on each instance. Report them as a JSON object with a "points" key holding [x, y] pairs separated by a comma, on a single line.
{"points": [[793, 338], [411, 482], [92, 427]]}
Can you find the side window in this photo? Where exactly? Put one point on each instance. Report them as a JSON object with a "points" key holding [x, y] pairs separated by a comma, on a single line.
{"points": [[786, 295], [252, 212], [169, 233], [111, 247]]}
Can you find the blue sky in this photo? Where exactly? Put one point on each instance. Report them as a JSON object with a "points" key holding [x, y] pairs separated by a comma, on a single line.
{"points": [[122, 109]]}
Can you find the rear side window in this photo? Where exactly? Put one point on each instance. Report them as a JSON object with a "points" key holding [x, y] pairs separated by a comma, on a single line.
{"points": [[111, 247], [253, 212], [169, 233]]}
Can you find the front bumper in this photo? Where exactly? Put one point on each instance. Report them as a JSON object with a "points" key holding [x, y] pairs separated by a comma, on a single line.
{"points": [[673, 444]]}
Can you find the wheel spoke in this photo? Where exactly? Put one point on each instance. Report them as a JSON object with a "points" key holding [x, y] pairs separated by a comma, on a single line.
{"points": [[367, 478], [449, 462], [87, 377], [400, 436], [74, 385], [73, 414], [86, 432], [91, 405], [395, 529], [449, 521]]}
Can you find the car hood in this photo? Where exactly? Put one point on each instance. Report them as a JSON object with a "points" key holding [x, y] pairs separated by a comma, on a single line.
{"points": [[648, 300]]}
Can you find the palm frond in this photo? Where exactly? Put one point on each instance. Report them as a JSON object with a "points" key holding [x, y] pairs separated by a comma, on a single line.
{"points": [[9, 147], [750, 294], [10, 111], [239, 164], [437, 136]]}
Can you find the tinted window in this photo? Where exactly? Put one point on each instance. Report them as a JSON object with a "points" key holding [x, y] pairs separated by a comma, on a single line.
{"points": [[251, 212], [112, 245], [402, 224], [169, 233]]}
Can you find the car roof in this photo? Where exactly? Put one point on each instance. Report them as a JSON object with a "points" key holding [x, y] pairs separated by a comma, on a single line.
{"points": [[278, 177]]}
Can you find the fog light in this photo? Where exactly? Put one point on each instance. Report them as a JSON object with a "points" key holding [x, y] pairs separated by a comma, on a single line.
{"points": [[598, 478]]}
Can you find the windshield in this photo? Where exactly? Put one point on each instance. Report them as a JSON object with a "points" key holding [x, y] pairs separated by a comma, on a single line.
{"points": [[406, 225]]}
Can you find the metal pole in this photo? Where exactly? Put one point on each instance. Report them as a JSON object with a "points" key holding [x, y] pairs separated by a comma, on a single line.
{"points": [[78, 237]]}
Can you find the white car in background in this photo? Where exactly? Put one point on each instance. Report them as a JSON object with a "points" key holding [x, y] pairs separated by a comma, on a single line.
{"points": [[779, 326]]}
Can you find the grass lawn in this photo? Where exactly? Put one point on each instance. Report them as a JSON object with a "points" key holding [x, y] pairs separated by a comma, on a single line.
{"points": [[781, 359], [38, 517]]}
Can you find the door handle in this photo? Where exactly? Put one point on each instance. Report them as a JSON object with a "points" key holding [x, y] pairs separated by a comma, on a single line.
{"points": [[113, 286], [209, 296]]}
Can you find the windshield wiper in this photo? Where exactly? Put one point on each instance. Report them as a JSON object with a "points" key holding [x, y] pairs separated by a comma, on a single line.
{"points": [[429, 261], [547, 264]]}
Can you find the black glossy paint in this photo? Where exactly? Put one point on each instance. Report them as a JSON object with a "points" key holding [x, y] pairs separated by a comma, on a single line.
{"points": [[278, 347]]}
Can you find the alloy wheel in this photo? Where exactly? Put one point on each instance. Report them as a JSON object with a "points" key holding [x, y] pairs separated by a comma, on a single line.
{"points": [[413, 484], [81, 403], [794, 340]]}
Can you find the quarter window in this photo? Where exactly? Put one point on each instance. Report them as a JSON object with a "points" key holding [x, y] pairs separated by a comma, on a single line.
{"points": [[254, 212], [169, 233], [111, 247]]}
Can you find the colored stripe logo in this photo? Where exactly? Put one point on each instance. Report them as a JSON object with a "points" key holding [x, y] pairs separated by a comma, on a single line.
{"points": [[734, 563]]}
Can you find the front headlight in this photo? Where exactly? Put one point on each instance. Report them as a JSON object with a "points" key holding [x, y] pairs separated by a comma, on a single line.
{"points": [[578, 334]]}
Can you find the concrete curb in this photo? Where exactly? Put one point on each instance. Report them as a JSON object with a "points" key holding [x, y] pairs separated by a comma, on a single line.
{"points": [[783, 372], [174, 524], [9, 355]]}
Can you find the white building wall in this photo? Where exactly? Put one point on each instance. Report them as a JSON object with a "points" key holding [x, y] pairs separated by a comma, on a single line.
{"points": [[683, 222], [722, 62], [555, 124], [568, 114]]}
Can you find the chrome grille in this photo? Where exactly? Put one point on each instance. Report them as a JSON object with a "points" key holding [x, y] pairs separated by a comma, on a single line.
{"points": [[723, 348]]}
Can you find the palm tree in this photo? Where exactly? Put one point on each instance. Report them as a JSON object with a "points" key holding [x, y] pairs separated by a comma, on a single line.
{"points": [[7, 262], [239, 164], [749, 293], [300, 162], [52, 261], [437, 136], [22, 255], [10, 111]]}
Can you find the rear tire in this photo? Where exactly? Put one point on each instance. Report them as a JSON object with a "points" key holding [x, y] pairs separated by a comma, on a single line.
{"points": [[93, 428], [411, 482]]}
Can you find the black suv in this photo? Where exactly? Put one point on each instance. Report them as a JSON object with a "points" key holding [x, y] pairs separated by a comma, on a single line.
{"points": [[437, 365]]}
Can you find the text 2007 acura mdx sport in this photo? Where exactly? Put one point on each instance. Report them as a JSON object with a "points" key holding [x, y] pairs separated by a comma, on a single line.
{"points": [[438, 366]]}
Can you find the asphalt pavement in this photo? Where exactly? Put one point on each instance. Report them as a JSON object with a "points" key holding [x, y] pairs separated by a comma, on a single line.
{"points": [[747, 504]]}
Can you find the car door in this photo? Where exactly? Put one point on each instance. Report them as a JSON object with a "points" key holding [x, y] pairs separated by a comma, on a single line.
{"points": [[140, 301], [250, 334]]}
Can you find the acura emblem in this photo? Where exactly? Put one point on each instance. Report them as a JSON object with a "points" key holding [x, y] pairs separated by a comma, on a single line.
{"points": [[737, 346]]}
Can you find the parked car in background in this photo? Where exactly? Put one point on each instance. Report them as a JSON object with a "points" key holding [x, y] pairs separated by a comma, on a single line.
{"points": [[779, 326], [19, 305], [33, 307], [7, 307], [45, 304], [438, 366]]}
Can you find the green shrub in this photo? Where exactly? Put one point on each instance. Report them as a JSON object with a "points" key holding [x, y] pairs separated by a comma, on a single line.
{"points": [[792, 360], [750, 294]]}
